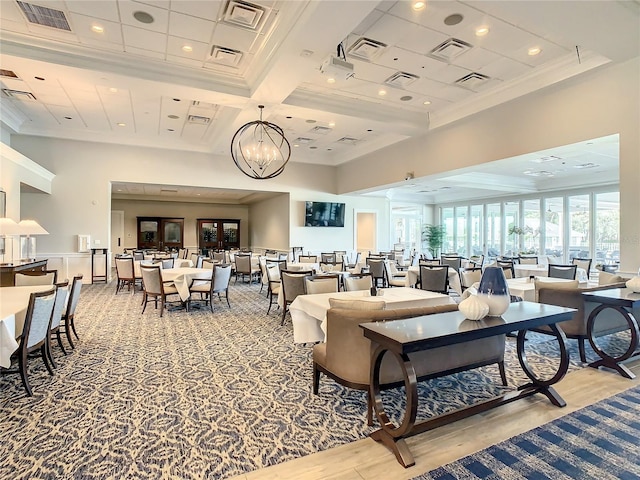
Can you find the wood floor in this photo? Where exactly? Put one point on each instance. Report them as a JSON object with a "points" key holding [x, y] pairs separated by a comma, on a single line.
{"points": [[368, 460]]}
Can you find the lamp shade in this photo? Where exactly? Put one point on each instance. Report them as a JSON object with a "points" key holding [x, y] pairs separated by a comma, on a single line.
{"points": [[31, 227], [9, 227]]}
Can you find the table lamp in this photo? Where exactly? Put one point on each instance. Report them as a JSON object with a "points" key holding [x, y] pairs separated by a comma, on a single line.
{"points": [[8, 227], [28, 228]]}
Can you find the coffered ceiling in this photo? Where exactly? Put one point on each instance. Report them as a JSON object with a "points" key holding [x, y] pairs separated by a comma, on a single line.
{"points": [[186, 75]]}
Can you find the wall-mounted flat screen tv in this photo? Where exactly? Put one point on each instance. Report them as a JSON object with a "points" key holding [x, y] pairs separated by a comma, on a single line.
{"points": [[324, 214]]}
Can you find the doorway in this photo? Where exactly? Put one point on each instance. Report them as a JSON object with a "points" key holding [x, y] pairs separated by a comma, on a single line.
{"points": [[117, 233], [157, 233]]}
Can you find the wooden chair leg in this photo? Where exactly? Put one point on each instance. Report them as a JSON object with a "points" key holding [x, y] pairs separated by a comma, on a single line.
{"points": [[59, 338], [24, 374], [583, 353], [45, 359], [73, 326], [284, 313], [316, 378], [48, 351], [67, 331]]}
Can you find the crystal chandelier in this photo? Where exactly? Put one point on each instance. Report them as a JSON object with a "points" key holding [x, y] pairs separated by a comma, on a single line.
{"points": [[260, 149]]}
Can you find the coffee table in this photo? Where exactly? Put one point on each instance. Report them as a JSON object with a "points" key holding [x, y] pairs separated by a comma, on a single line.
{"points": [[402, 337]]}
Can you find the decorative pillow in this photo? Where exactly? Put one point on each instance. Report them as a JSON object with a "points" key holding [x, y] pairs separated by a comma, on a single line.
{"points": [[356, 304]]}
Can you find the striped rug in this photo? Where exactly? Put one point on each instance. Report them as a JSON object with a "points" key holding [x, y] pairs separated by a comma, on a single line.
{"points": [[598, 442]]}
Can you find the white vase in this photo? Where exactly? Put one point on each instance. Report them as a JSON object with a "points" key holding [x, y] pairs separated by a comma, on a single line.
{"points": [[498, 304], [473, 308]]}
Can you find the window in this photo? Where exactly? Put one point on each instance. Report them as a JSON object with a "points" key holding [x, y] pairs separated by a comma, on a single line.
{"points": [[447, 221], [580, 226], [494, 220], [531, 214], [477, 240], [607, 231], [460, 246], [512, 228], [554, 229]]}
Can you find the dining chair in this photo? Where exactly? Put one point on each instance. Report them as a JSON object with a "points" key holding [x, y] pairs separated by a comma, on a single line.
{"points": [[218, 284], [273, 278], [48, 277], [395, 278], [62, 292], [349, 265], [125, 274], [295, 253], [307, 258], [453, 261], [168, 262], [429, 261], [361, 281], [35, 334], [327, 257], [562, 271], [507, 267], [67, 323], [584, 263], [434, 278], [469, 276], [208, 264], [528, 260], [340, 255], [138, 255], [155, 288], [376, 267], [245, 267], [476, 261], [321, 284], [292, 285]]}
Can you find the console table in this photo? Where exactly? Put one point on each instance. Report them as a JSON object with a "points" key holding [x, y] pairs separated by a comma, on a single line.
{"points": [[94, 276], [402, 337], [622, 300], [8, 270]]}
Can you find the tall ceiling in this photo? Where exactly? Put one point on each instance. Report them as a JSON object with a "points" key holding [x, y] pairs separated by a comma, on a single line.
{"points": [[186, 75]]}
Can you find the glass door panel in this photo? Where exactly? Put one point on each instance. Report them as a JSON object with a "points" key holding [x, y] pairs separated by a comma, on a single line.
{"points": [[494, 220], [231, 234], [477, 247], [580, 226], [513, 231], [461, 231], [607, 229], [554, 229], [531, 240], [148, 237]]}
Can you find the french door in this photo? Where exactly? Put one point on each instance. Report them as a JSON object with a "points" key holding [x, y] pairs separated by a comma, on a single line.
{"points": [[160, 233]]}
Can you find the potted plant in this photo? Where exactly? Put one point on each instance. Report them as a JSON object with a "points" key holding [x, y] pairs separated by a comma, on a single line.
{"points": [[434, 235]]}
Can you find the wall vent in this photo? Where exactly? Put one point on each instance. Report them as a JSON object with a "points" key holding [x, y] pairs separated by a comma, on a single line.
{"points": [[320, 130], [549, 158], [474, 81], [401, 79], [303, 140], [198, 119], [366, 49], [8, 74], [225, 56], [199, 104], [244, 15], [167, 190], [450, 49], [45, 16], [20, 95], [348, 140]]}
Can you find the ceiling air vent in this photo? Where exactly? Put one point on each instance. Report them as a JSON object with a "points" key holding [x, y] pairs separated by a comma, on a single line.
{"points": [[320, 130], [450, 49], [473, 81], [225, 56], [401, 79], [45, 16], [302, 140], [244, 15], [167, 190], [366, 49], [198, 119], [8, 74], [18, 94], [198, 103], [348, 140]]}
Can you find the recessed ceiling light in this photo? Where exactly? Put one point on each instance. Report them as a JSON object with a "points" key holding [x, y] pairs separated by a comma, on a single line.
{"points": [[143, 17], [382, 92], [97, 28], [296, 145], [331, 80], [68, 118], [313, 147], [332, 124], [417, 6], [426, 102], [113, 90], [453, 19], [198, 194], [119, 190], [482, 31], [122, 124], [187, 48], [406, 98], [585, 165], [534, 51]]}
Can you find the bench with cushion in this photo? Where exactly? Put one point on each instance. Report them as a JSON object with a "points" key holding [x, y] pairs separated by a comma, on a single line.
{"points": [[346, 354]]}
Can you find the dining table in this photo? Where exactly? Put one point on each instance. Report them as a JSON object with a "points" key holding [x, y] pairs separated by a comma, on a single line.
{"points": [[309, 312], [177, 263], [182, 278], [525, 287], [540, 270], [413, 276], [14, 302]]}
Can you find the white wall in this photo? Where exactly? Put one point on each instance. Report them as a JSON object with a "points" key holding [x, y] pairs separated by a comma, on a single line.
{"points": [[187, 210], [602, 102], [269, 223]]}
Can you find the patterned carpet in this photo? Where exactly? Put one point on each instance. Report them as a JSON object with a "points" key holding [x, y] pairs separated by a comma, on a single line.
{"points": [[598, 442], [194, 395]]}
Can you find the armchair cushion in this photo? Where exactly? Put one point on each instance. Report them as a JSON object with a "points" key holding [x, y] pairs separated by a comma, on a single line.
{"points": [[356, 304]]}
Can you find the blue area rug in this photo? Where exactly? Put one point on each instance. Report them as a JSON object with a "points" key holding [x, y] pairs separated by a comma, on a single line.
{"points": [[598, 442]]}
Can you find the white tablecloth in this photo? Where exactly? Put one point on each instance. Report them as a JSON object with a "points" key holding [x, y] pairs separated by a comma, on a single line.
{"points": [[309, 312], [525, 271], [14, 302], [414, 275], [177, 263], [182, 278], [525, 288]]}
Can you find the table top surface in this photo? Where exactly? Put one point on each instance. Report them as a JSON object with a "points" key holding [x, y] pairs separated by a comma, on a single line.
{"points": [[623, 297], [15, 299], [431, 331]]}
